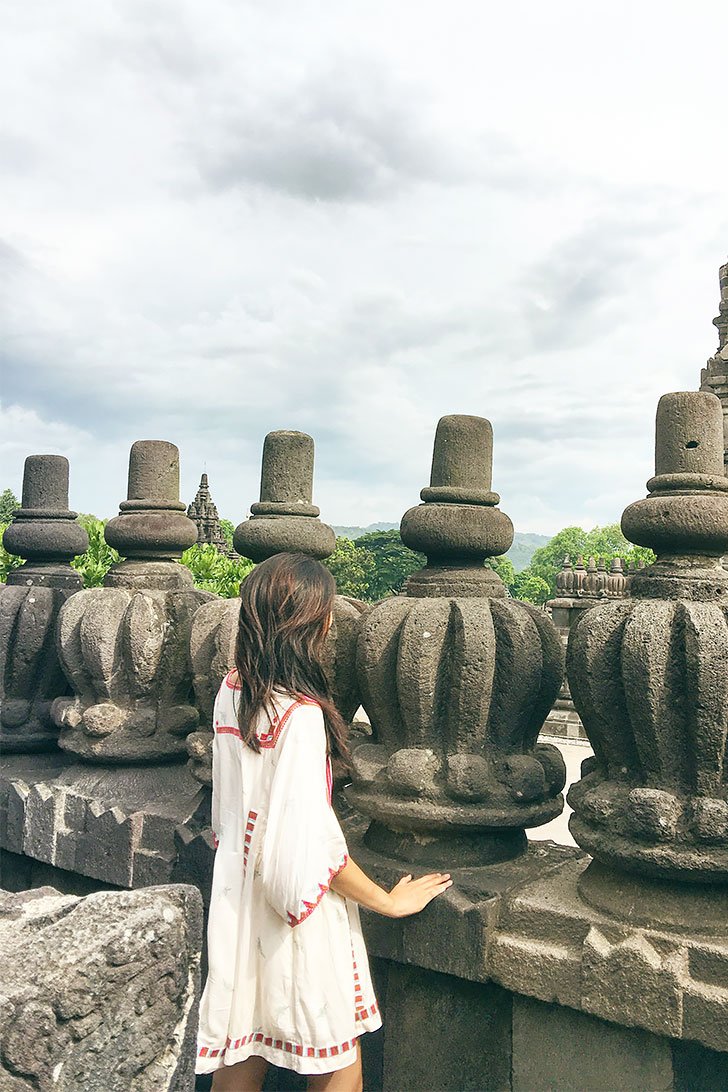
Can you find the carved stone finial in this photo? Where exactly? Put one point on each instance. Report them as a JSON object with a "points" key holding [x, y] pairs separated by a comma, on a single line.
{"points": [[565, 579], [457, 679], [124, 647], [152, 524], [285, 519], [458, 525], [45, 532], [648, 673], [616, 579]]}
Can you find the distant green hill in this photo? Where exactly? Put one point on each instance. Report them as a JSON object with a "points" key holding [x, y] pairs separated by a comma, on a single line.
{"points": [[357, 532], [524, 547], [520, 553]]}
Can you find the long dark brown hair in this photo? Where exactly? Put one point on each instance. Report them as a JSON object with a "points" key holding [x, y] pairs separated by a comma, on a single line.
{"points": [[285, 607]]}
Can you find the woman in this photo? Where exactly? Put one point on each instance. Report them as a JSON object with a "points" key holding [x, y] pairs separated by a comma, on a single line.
{"points": [[288, 975]]}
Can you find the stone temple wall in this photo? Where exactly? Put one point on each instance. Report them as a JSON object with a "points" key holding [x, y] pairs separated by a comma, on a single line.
{"points": [[603, 967]]}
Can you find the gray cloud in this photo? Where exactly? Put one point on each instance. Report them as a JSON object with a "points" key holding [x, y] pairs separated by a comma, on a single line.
{"points": [[348, 132], [244, 218]]}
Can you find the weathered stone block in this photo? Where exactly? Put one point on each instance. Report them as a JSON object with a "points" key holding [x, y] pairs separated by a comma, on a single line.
{"points": [[113, 824], [100, 993], [558, 1050], [626, 973], [446, 1034]]}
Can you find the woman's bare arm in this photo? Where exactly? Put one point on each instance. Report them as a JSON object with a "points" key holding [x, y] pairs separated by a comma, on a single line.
{"points": [[406, 897]]}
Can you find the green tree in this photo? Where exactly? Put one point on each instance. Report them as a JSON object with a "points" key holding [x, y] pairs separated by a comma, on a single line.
{"points": [[8, 562], [98, 559], [530, 588], [504, 567], [228, 529], [352, 567], [214, 572], [393, 562], [8, 503]]}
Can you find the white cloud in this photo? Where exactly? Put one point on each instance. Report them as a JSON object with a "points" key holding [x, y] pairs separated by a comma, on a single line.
{"points": [[238, 217]]}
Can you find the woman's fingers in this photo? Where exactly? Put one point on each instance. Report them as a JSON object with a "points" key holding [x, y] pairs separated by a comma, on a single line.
{"points": [[433, 878]]}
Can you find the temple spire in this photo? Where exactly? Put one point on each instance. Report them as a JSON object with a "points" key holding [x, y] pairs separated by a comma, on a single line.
{"points": [[714, 376], [203, 513]]}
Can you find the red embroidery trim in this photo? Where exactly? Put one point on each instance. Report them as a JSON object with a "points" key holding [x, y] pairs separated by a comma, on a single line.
{"points": [[278, 1044], [269, 738], [232, 685], [249, 827], [363, 1014], [358, 999], [323, 888]]}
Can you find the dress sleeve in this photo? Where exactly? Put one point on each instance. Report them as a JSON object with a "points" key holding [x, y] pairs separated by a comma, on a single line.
{"points": [[303, 847]]}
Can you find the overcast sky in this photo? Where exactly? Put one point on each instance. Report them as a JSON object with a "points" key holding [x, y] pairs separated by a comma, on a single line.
{"points": [[350, 218]]}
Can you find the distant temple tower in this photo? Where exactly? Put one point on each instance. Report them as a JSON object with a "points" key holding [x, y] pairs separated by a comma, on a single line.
{"points": [[203, 513], [714, 376]]}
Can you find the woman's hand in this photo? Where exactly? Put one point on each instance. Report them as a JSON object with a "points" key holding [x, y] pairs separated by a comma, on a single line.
{"points": [[410, 896], [407, 897]]}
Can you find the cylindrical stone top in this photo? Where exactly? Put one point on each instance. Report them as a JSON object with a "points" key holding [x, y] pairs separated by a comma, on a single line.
{"points": [[284, 519], [463, 453], [689, 434], [44, 531], [686, 512], [151, 524], [45, 482], [287, 471], [154, 471], [462, 462]]}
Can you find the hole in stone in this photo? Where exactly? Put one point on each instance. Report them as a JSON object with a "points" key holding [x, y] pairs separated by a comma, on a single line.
{"points": [[693, 443]]}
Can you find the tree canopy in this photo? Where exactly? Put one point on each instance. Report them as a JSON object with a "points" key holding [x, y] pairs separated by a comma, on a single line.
{"points": [[8, 503], [353, 567], [393, 562]]}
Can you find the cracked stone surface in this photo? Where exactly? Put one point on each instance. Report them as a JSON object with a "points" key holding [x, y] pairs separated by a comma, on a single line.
{"points": [[99, 994]]}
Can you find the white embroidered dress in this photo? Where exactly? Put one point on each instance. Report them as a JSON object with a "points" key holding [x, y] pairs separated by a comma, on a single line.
{"points": [[288, 971]]}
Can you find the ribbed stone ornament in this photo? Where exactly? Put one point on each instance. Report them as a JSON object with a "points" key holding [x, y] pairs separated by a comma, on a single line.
{"points": [[457, 679], [45, 532], [124, 647], [649, 674], [283, 520]]}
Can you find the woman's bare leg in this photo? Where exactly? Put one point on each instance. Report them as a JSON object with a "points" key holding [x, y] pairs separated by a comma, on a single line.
{"points": [[247, 1076], [341, 1080]]}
